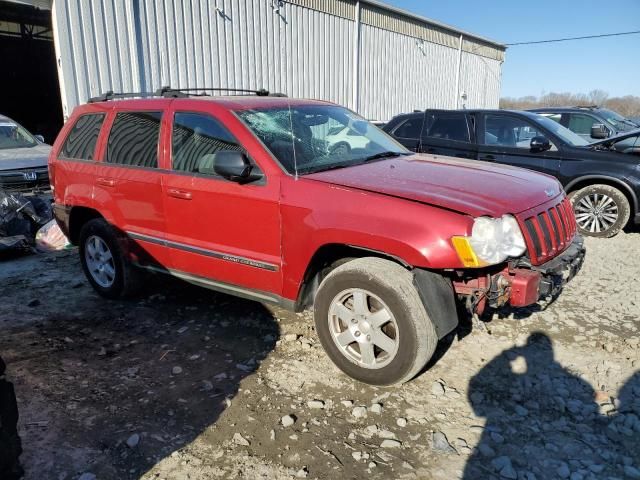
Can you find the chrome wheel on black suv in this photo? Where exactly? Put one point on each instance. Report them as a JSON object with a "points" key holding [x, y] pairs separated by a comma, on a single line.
{"points": [[600, 210]]}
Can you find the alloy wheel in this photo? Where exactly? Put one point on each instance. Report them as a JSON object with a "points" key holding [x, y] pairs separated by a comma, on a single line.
{"points": [[596, 212], [363, 328], [99, 261]]}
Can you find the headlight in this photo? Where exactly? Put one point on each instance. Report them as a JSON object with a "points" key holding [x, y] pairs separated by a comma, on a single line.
{"points": [[492, 241]]}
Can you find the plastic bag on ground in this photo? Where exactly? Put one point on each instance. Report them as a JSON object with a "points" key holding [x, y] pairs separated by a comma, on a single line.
{"points": [[51, 238]]}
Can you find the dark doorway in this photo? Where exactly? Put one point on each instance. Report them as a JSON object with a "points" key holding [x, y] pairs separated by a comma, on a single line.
{"points": [[29, 89]]}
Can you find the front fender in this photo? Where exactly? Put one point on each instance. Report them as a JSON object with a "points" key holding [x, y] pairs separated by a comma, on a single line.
{"points": [[316, 214]]}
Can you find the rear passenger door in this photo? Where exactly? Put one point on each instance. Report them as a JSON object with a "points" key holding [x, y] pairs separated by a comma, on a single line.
{"points": [[448, 133], [221, 233], [506, 138], [128, 184]]}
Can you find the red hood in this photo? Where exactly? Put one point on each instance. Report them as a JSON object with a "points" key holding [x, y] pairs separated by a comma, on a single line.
{"points": [[466, 186]]}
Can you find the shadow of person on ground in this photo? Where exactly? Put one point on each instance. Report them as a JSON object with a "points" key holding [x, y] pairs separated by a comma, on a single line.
{"points": [[542, 421], [120, 385], [624, 427]]}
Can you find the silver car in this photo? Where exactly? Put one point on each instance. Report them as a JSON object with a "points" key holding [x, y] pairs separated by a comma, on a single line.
{"points": [[23, 159]]}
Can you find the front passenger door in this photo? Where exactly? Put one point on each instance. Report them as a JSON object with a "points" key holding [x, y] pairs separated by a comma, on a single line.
{"points": [[506, 138], [221, 233]]}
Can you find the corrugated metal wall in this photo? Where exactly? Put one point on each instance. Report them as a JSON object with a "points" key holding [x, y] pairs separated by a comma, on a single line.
{"points": [[401, 73], [304, 48], [480, 80]]}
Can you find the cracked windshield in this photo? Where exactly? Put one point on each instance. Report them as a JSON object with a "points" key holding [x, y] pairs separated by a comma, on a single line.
{"points": [[313, 138]]}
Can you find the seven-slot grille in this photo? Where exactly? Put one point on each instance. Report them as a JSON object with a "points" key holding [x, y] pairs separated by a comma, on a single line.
{"points": [[550, 231]]}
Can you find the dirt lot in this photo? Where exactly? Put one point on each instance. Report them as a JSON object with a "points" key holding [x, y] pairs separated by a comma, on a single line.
{"points": [[188, 384]]}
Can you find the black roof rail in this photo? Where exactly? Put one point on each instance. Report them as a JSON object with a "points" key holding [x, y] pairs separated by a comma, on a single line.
{"points": [[110, 95], [590, 107], [168, 92]]}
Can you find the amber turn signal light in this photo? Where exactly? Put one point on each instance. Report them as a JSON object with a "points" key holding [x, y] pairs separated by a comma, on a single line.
{"points": [[464, 250]]}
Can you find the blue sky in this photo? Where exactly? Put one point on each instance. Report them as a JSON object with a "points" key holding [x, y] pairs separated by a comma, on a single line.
{"points": [[610, 64]]}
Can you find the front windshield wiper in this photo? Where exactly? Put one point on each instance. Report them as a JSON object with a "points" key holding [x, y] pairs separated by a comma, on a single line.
{"points": [[352, 163], [325, 168], [380, 155]]}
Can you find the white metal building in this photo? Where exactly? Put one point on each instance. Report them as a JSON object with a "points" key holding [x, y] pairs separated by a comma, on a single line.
{"points": [[364, 54]]}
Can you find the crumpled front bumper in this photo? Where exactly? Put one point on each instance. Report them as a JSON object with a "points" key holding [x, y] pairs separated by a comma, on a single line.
{"points": [[531, 283], [520, 283]]}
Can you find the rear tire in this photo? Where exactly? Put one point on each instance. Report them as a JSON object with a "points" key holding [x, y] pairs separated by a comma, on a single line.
{"points": [[372, 323], [104, 262], [601, 210]]}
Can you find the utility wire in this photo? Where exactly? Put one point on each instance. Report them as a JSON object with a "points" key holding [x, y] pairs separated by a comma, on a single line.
{"points": [[574, 38]]}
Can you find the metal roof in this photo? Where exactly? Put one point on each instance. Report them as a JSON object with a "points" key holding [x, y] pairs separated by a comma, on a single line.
{"points": [[406, 13]]}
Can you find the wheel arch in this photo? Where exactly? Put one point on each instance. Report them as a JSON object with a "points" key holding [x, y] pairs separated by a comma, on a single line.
{"points": [[78, 217], [585, 181], [326, 258]]}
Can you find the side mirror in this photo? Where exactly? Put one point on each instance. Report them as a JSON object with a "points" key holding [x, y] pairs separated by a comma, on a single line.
{"points": [[40, 138], [599, 131], [234, 166], [540, 144]]}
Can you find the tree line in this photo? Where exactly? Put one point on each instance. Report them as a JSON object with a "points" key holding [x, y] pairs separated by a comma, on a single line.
{"points": [[628, 105]]}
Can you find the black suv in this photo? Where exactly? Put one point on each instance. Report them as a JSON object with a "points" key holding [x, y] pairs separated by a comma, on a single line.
{"points": [[604, 185], [591, 123]]}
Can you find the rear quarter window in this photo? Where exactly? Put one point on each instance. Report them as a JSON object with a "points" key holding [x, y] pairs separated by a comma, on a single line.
{"points": [[133, 139], [449, 126], [411, 128], [81, 141]]}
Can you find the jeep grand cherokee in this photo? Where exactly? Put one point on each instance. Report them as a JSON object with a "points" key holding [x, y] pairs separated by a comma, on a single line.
{"points": [[246, 195]]}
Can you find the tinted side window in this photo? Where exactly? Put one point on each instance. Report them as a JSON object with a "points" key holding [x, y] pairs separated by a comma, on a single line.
{"points": [[411, 128], [448, 126], [195, 141], [133, 139], [508, 131], [581, 124], [82, 139]]}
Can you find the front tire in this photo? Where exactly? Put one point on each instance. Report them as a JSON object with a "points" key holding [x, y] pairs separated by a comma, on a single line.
{"points": [[600, 210], [372, 323], [104, 262]]}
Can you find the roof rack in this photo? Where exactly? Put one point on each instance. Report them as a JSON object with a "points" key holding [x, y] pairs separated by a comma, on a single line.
{"points": [[110, 95], [590, 107], [168, 92]]}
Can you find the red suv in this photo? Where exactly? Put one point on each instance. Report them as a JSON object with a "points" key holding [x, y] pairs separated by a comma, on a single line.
{"points": [[303, 203]]}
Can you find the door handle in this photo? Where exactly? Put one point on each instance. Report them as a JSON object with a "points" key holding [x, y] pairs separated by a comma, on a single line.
{"points": [[488, 158], [181, 194], [106, 182]]}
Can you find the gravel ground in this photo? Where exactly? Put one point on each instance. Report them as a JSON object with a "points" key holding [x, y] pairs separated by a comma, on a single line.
{"points": [[187, 384]]}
